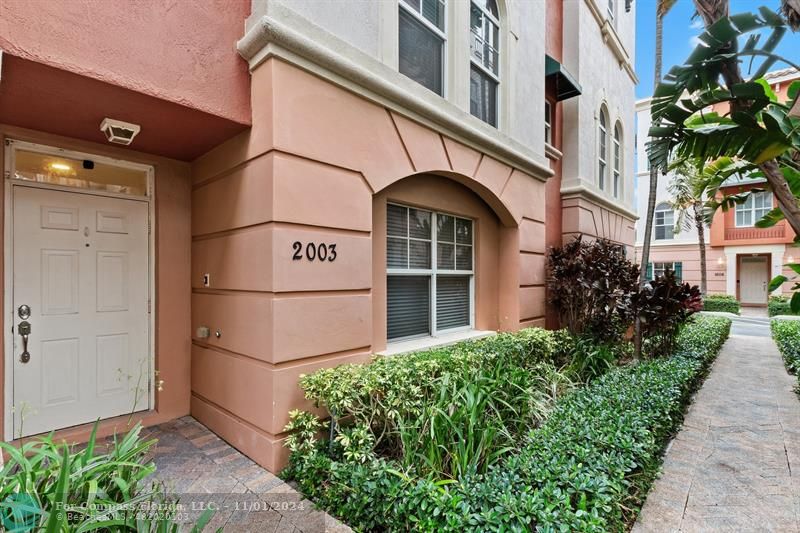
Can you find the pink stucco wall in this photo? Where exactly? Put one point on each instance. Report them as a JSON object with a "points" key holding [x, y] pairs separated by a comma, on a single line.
{"points": [[300, 175], [180, 51]]}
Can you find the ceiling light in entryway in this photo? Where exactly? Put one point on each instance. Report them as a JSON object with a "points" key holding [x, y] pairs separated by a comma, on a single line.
{"points": [[63, 167], [119, 132]]}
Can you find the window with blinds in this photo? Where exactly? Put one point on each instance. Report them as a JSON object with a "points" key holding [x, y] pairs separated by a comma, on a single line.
{"points": [[429, 272], [422, 41]]}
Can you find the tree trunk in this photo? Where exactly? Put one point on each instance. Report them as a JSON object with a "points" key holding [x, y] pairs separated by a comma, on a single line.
{"points": [[701, 239], [653, 192]]}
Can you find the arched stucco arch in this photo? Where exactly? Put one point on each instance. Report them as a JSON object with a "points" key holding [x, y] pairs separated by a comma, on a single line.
{"points": [[496, 245]]}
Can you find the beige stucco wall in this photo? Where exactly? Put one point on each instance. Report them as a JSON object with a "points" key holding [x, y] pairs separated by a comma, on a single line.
{"points": [[318, 166]]}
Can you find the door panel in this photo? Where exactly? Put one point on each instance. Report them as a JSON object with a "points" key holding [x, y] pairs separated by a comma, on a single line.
{"points": [[81, 264], [753, 280]]}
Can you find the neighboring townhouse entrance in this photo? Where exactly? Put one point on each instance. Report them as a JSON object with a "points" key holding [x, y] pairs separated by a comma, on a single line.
{"points": [[753, 279], [80, 292]]}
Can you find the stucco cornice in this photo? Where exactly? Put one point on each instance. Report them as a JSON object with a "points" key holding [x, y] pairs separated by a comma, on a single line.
{"points": [[611, 38], [373, 80], [592, 196]]}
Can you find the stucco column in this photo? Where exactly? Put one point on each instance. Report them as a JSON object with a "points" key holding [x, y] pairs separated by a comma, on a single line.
{"points": [[730, 276]]}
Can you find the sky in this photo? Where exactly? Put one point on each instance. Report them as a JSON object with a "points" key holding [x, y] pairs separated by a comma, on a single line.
{"points": [[680, 34]]}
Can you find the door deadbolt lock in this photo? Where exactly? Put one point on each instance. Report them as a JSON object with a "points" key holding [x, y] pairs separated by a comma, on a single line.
{"points": [[24, 312], [24, 330]]}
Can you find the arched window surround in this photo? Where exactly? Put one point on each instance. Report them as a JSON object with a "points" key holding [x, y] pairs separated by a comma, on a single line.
{"points": [[602, 147], [617, 160]]}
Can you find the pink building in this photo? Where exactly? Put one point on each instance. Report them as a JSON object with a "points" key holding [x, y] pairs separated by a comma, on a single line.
{"points": [[284, 186], [741, 258]]}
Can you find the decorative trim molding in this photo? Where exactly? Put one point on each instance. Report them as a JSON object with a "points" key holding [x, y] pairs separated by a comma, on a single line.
{"points": [[580, 191], [375, 81], [552, 152], [611, 38]]}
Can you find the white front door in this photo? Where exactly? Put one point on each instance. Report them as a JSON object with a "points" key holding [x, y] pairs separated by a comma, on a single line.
{"points": [[80, 263], [753, 280]]}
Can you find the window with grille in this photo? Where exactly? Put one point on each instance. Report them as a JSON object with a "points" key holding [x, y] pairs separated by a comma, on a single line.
{"points": [[484, 48], [757, 205], [429, 272], [422, 42], [602, 161], [548, 122], [615, 179], [664, 222], [655, 270]]}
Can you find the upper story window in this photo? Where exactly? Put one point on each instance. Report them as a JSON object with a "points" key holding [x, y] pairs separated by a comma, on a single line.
{"points": [[422, 42], [617, 142], [602, 161], [548, 122], [429, 272], [757, 205], [664, 222], [484, 47]]}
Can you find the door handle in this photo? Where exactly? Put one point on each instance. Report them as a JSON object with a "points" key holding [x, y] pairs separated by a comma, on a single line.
{"points": [[24, 330]]}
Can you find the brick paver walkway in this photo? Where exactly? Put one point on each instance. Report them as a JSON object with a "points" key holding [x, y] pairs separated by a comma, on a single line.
{"points": [[734, 466], [201, 470]]}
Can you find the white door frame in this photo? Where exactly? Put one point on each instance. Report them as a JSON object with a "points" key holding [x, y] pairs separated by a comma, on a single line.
{"points": [[8, 257]]}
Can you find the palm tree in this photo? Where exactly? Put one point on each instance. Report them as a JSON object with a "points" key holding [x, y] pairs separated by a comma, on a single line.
{"points": [[686, 189], [662, 8]]}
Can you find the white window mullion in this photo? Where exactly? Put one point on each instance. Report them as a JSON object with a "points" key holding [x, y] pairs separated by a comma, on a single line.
{"points": [[434, 267]]}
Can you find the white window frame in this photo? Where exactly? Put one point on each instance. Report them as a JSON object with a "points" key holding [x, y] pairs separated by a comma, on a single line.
{"points": [[671, 232], [666, 265], [753, 213], [602, 148], [442, 34], [616, 159], [481, 66], [548, 122], [434, 271]]}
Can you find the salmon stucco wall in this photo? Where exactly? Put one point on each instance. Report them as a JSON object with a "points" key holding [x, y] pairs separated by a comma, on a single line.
{"points": [[171, 230], [689, 257], [585, 217], [177, 51], [316, 168]]}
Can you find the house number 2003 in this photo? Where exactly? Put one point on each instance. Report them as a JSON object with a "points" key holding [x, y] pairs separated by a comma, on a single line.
{"points": [[313, 251]]}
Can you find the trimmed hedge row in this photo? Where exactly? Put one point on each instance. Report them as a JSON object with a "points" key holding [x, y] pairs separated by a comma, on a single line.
{"points": [[779, 305], [594, 457], [786, 334], [721, 303]]}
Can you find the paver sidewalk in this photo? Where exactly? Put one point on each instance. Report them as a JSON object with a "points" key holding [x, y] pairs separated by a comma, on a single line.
{"points": [[735, 465]]}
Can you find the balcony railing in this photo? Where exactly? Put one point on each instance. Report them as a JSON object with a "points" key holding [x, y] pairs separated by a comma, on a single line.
{"points": [[737, 234]]}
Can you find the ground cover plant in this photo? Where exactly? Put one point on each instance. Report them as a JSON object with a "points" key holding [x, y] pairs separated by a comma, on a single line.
{"points": [[786, 334], [50, 486], [583, 461], [720, 303]]}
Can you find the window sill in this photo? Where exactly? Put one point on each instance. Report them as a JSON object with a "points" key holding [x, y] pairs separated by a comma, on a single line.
{"points": [[426, 343]]}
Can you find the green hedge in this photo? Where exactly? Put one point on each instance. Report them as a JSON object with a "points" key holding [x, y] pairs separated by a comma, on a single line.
{"points": [[586, 468], [779, 305], [720, 303], [786, 334]]}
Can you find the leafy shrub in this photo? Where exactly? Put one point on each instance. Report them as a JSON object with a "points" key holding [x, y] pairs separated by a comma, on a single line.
{"points": [[390, 391], [780, 305], [586, 468], [721, 303], [591, 284], [43, 479], [786, 334], [663, 306]]}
